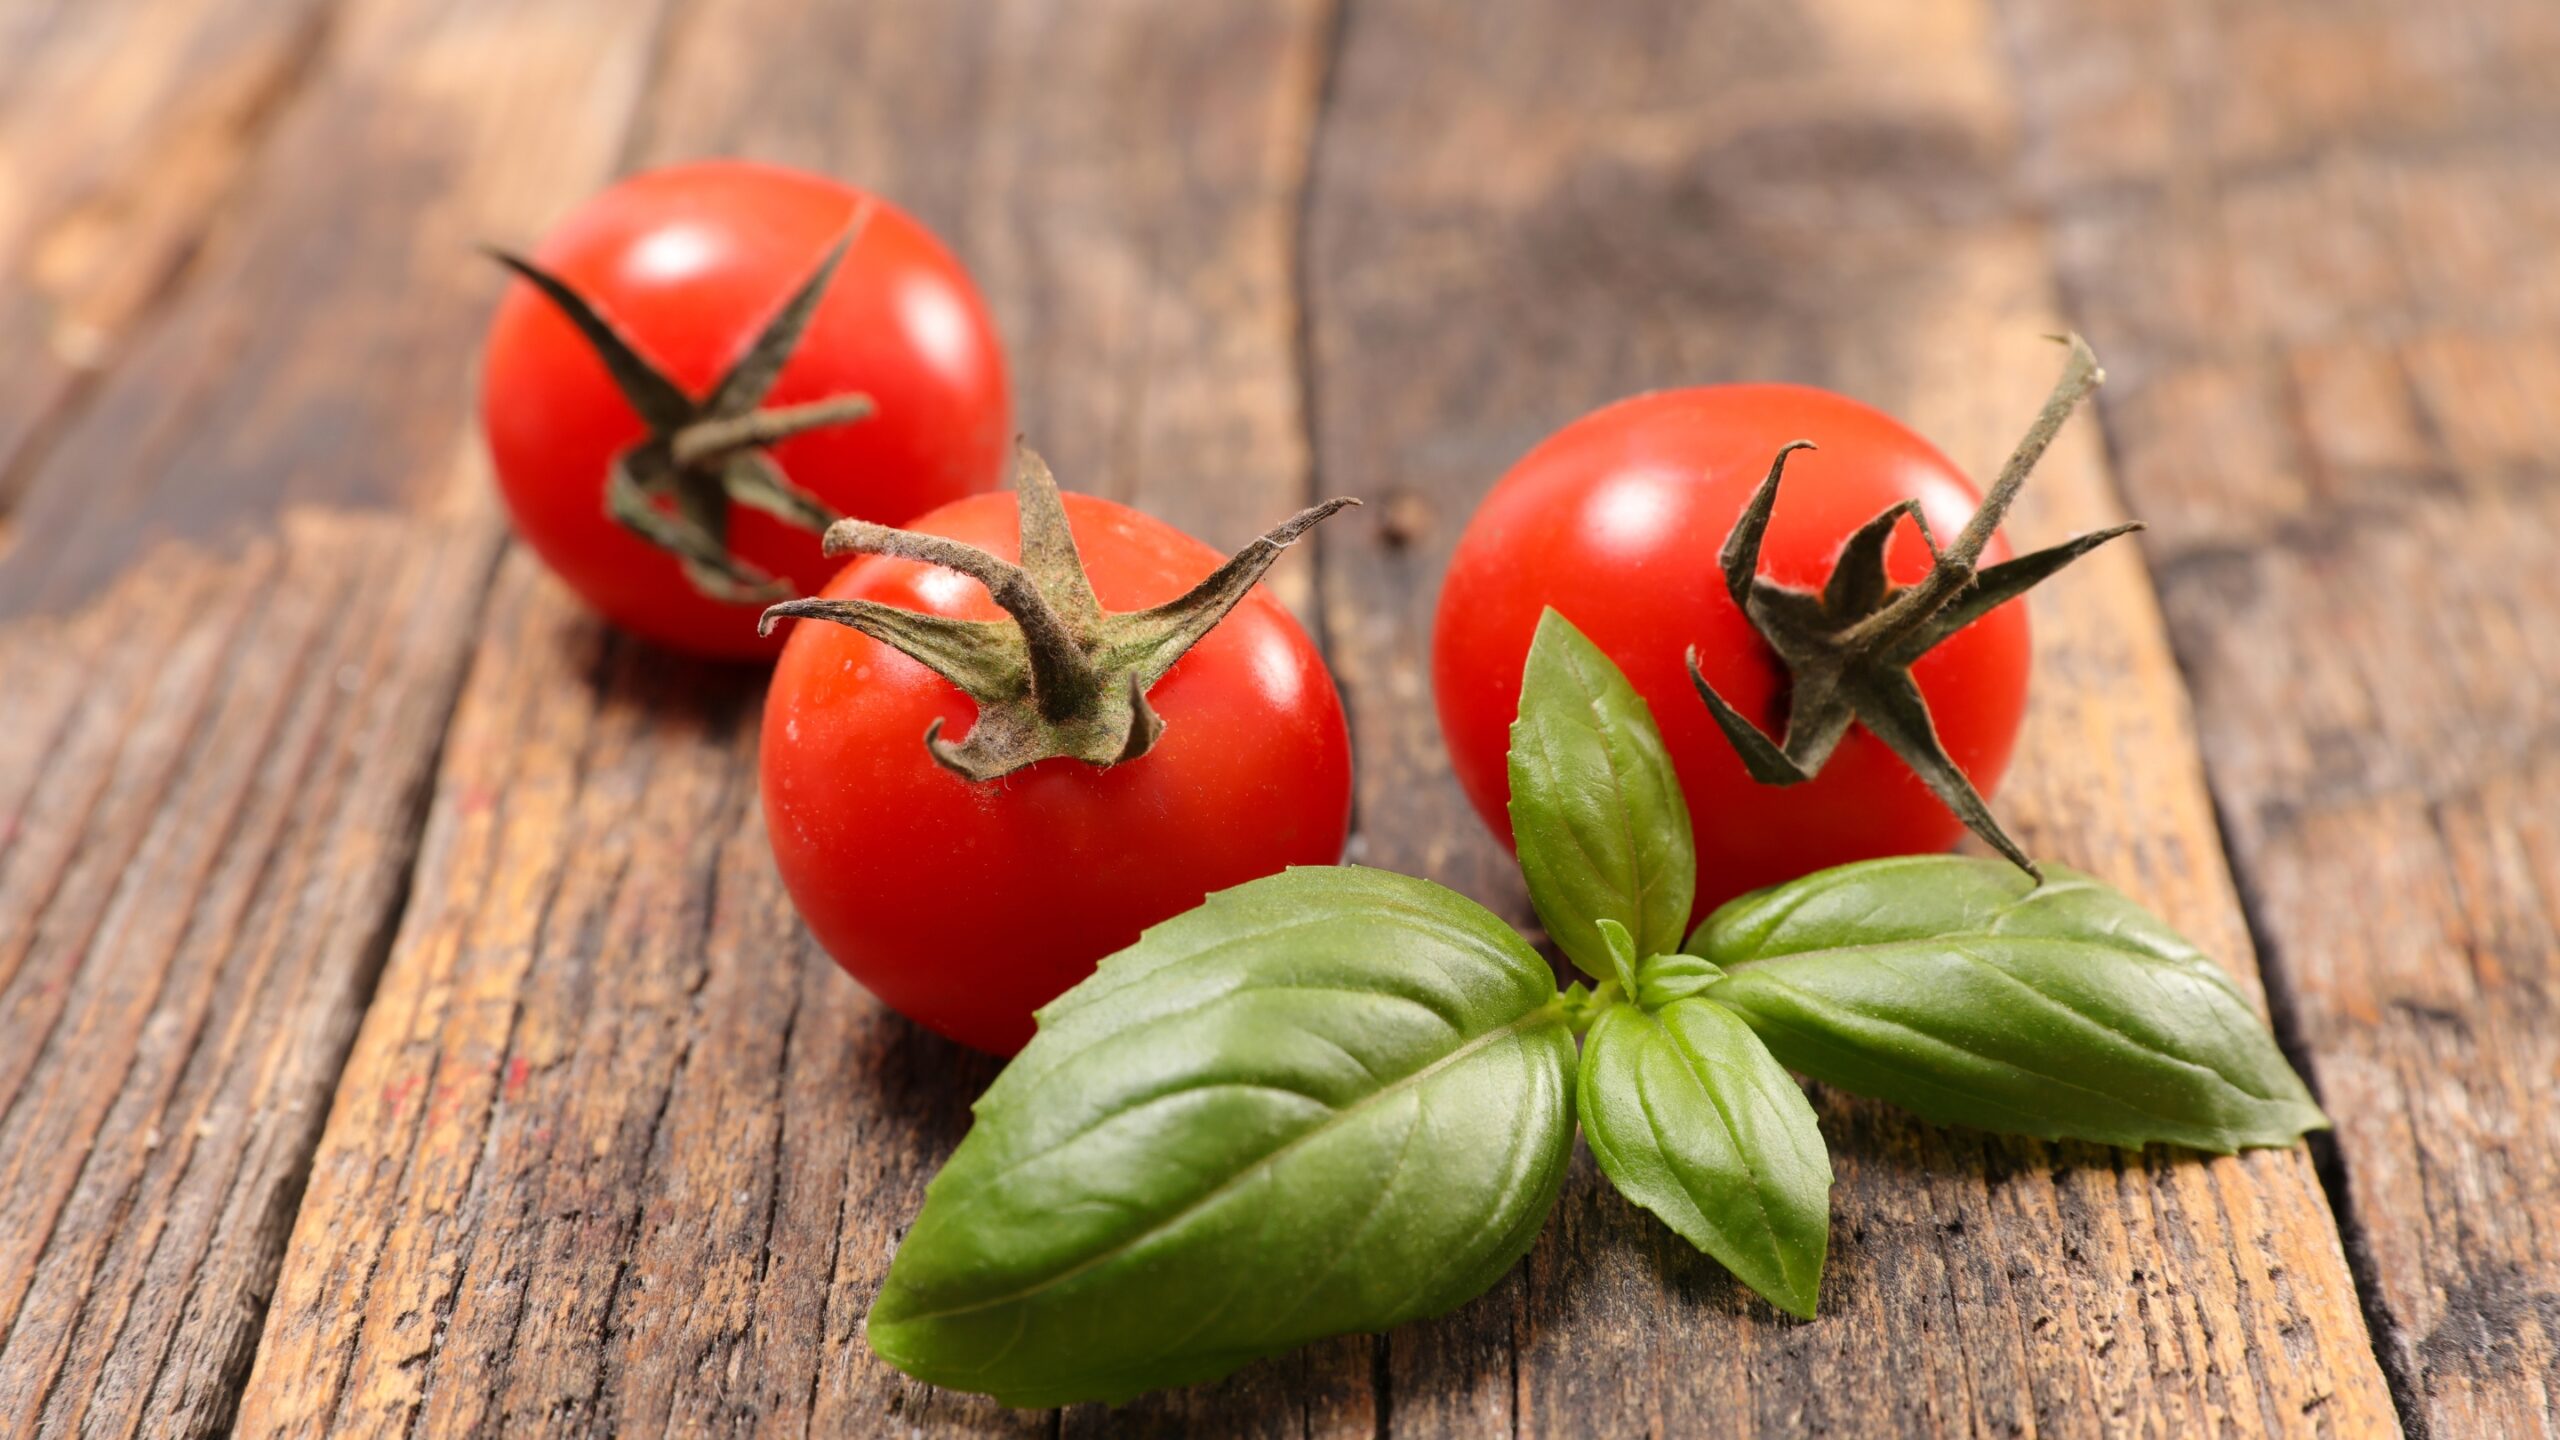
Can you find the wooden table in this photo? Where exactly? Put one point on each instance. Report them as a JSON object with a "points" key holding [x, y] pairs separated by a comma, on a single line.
{"points": [[402, 1029]]}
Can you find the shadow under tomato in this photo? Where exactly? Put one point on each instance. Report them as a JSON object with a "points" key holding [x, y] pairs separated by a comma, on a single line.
{"points": [[622, 670], [925, 1080]]}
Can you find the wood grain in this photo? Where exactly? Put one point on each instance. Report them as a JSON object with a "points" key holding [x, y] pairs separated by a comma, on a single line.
{"points": [[1687, 193], [124, 127], [231, 631], [617, 1148], [2322, 237]]}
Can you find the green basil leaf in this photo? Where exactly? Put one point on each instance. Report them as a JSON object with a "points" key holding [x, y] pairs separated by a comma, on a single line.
{"points": [[1690, 1117], [1952, 987], [1920, 897], [1622, 954], [1597, 816], [1331, 1100], [1662, 979]]}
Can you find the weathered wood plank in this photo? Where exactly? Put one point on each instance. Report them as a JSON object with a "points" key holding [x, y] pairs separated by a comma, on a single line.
{"points": [[2323, 236], [617, 1148], [231, 630], [1522, 211], [124, 125]]}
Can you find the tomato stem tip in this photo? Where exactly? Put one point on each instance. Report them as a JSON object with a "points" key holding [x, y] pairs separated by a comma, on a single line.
{"points": [[1849, 649], [1060, 675], [676, 487]]}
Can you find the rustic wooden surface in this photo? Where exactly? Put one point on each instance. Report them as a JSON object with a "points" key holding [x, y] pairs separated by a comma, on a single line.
{"points": [[238, 601], [2320, 245], [1747, 202], [401, 1028]]}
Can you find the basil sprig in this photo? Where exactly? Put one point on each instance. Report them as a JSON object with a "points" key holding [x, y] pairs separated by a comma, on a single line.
{"points": [[1339, 1099], [1684, 1108]]}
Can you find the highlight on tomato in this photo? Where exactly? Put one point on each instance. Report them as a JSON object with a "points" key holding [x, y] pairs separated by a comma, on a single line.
{"points": [[704, 366], [1764, 562], [1030, 727]]}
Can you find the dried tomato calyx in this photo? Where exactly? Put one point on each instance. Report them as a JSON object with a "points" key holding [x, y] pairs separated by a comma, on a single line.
{"points": [[674, 488], [1061, 676], [1849, 649]]}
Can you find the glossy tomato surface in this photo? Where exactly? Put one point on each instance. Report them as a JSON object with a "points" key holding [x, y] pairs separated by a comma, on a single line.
{"points": [[1616, 521], [690, 262], [967, 905]]}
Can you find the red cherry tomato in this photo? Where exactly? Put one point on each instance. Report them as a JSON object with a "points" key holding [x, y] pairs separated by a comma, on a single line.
{"points": [[1616, 521], [967, 905], [689, 263]]}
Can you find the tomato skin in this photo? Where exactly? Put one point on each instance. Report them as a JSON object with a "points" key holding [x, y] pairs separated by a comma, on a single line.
{"points": [[1617, 520], [690, 262], [965, 906]]}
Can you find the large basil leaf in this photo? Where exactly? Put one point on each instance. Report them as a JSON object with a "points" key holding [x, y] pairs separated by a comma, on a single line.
{"points": [[1332, 1100], [1691, 1118], [1946, 985], [1919, 897], [1596, 810]]}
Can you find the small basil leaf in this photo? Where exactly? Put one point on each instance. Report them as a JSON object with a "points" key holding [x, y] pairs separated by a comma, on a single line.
{"points": [[1331, 1100], [1596, 810], [1661, 979], [1945, 986], [1690, 1117], [1622, 953]]}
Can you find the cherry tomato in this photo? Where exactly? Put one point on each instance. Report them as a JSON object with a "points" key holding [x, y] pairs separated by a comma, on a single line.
{"points": [[689, 263], [966, 905], [1617, 520]]}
